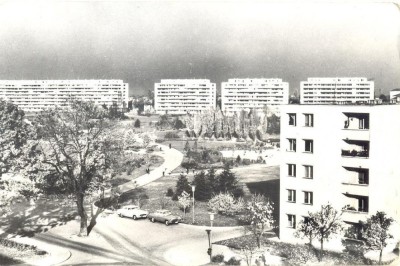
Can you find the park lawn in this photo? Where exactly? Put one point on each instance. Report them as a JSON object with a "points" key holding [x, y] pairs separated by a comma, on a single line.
{"points": [[265, 180]]}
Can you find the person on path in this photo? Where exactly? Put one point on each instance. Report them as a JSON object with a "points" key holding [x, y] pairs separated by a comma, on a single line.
{"points": [[170, 145]]}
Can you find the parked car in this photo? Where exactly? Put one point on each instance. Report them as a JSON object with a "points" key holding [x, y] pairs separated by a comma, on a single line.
{"points": [[164, 216], [132, 211]]}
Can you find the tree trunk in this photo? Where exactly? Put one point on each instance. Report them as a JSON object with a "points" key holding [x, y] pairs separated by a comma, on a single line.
{"points": [[82, 214], [310, 239], [380, 257], [93, 221], [322, 249]]}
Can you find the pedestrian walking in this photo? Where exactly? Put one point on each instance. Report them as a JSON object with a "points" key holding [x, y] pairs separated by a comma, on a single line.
{"points": [[163, 173], [170, 145]]}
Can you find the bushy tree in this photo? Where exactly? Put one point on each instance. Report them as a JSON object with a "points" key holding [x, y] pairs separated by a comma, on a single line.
{"points": [[226, 203], [182, 184], [15, 132], [80, 148], [178, 124], [324, 223], [184, 201], [212, 180], [203, 188], [273, 126], [189, 164], [228, 182], [259, 214], [305, 229], [187, 146], [137, 123], [376, 232]]}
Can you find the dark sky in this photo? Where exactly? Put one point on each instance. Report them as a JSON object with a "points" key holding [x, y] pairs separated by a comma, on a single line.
{"points": [[143, 42]]}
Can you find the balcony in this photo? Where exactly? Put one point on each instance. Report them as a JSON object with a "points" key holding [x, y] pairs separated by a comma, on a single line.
{"points": [[354, 153], [355, 134], [355, 189], [356, 121], [354, 216]]}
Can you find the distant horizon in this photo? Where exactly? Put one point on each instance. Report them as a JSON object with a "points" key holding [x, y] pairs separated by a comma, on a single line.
{"points": [[144, 42]]}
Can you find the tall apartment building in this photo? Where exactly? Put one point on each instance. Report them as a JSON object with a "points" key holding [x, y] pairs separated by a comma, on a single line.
{"points": [[333, 90], [346, 155], [181, 96], [246, 94], [36, 95]]}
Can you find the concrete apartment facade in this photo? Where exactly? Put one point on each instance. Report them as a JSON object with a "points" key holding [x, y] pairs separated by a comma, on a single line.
{"points": [[332, 90], [346, 155], [246, 94], [182, 96], [395, 95], [36, 95]]}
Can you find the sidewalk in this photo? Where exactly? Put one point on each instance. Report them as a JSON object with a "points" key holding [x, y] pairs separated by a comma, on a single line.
{"points": [[172, 159]]}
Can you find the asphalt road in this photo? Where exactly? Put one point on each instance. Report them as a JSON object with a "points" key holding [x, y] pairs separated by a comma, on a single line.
{"points": [[158, 244]]}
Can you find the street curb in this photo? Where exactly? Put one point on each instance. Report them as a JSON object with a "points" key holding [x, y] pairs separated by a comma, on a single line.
{"points": [[208, 227]]}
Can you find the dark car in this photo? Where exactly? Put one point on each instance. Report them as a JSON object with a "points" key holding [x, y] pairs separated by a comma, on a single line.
{"points": [[164, 216]]}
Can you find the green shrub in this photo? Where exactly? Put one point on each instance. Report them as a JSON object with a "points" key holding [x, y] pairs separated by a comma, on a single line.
{"points": [[170, 192], [217, 258], [171, 135], [233, 261]]}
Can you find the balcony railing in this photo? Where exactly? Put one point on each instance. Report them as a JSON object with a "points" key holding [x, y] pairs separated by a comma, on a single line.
{"points": [[354, 153]]}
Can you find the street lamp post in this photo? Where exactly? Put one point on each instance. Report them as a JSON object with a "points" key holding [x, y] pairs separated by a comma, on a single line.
{"points": [[209, 251], [193, 189], [211, 218]]}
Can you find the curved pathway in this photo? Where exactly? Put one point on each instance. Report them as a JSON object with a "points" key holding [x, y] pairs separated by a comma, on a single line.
{"points": [[172, 159]]}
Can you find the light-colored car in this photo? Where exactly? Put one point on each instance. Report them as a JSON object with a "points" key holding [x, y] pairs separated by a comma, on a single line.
{"points": [[132, 211], [164, 216]]}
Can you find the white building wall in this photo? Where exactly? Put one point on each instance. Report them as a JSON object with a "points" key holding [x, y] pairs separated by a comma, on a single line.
{"points": [[246, 94], [331, 90], [332, 182], [36, 95], [181, 96], [395, 95]]}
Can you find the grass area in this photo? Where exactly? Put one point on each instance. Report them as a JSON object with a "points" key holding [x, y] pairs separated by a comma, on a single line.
{"points": [[299, 254], [13, 253], [263, 180]]}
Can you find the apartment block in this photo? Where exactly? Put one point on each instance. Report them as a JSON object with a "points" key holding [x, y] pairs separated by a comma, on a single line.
{"points": [[246, 94], [181, 96], [395, 95], [36, 95], [333, 90], [346, 155]]}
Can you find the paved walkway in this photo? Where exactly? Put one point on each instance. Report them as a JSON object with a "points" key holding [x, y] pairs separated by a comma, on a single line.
{"points": [[172, 159]]}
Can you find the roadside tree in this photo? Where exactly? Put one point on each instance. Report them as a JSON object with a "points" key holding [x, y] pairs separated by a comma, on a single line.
{"points": [[376, 232], [305, 229], [184, 201], [228, 182]]}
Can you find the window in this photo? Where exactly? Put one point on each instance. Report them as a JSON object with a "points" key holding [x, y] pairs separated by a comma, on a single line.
{"points": [[292, 170], [308, 145], [291, 195], [292, 119], [308, 171], [292, 144], [308, 197], [363, 204], [308, 120], [291, 220], [363, 177]]}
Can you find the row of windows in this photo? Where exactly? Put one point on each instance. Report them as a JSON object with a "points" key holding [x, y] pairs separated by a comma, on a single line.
{"points": [[308, 119], [308, 171], [307, 196], [308, 145]]}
